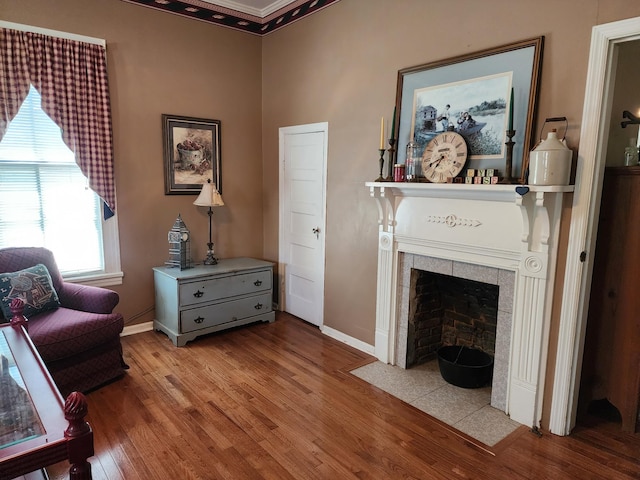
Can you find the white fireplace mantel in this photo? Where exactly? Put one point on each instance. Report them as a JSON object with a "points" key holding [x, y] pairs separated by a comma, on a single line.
{"points": [[511, 227]]}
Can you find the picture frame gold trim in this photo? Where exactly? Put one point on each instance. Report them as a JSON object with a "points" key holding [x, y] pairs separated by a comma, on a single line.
{"points": [[521, 60], [192, 154]]}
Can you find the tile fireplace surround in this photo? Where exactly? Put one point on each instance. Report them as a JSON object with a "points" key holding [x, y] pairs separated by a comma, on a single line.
{"points": [[491, 231]]}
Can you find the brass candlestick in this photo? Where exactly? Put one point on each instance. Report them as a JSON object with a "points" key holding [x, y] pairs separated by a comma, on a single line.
{"points": [[392, 159], [509, 158], [381, 178]]}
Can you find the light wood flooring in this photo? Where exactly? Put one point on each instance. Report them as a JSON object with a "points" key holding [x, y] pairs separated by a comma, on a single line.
{"points": [[276, 401]]}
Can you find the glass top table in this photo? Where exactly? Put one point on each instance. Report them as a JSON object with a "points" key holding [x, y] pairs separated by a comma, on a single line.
{"points": [[37, 427], [19, 420]]}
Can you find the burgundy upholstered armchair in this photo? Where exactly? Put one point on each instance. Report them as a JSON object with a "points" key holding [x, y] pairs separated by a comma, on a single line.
{"points": [[79, 340]]}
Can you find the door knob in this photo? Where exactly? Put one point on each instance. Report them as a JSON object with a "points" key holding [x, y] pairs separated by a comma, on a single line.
{"points": [[316, 230]]}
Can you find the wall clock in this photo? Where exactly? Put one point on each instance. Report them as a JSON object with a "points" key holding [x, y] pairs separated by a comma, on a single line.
{"points": [[444, 157]]}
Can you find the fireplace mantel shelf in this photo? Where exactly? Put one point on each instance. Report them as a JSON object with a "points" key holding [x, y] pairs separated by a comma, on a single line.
{"points": [[500, 192]]}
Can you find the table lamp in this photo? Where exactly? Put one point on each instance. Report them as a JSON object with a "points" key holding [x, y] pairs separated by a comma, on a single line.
{"points": [[209, 197]]}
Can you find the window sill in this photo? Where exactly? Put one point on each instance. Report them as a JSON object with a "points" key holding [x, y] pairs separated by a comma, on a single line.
{"points": [[97, 280]]}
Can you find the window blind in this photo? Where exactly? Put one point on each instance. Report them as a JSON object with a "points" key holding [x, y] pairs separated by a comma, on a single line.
{"points": [[44, 197]]}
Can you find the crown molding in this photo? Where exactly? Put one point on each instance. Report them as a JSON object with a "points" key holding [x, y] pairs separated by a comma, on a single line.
{"points": [[227, 13], [256, 12]]}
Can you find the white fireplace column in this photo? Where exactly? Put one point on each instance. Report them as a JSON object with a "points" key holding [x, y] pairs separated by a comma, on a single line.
{"points": [[387, 276], [509, 227]]}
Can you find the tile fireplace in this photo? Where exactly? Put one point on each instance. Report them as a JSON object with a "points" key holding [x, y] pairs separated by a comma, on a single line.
{"points": [[497, 341], [504, 235]]}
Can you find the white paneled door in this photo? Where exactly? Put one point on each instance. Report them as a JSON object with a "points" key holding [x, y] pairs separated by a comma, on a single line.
{"points": [[303, 160]]}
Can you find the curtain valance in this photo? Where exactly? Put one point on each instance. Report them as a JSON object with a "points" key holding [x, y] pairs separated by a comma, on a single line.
{"points": [[71, 77]]}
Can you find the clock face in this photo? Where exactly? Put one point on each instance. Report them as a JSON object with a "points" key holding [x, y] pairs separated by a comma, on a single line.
{"points": [[185, 237], [444, 157], [174, 237]]}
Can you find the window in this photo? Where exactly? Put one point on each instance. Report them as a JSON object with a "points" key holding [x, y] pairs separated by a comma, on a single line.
{"points": [[45, 200]]}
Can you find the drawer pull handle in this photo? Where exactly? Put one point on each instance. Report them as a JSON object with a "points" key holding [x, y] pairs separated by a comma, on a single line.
{"points": [[258, 306], [257, 283], [198, 294], [198, 320]]}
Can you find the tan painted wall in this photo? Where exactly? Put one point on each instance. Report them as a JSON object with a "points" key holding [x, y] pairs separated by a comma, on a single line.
{"points": [[160, 63], [340, 65]]}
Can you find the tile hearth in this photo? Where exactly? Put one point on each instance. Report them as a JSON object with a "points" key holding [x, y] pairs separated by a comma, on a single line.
{"points": [[422, 386]]}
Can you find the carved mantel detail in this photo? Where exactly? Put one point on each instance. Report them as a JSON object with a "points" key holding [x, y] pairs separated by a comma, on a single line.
{"points": [[452, 220]]}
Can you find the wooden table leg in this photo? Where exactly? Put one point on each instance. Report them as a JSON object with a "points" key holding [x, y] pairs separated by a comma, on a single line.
{"points": [[79, 437]]}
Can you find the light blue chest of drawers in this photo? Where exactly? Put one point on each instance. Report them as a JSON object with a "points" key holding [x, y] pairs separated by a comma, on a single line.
{"points": [[209, 298]]}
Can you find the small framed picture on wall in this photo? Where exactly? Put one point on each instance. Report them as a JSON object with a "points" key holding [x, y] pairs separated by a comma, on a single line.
{"points": [[191, 154]]}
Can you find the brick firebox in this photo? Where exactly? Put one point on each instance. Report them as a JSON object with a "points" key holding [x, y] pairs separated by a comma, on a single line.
{"points": [[447, 310]]}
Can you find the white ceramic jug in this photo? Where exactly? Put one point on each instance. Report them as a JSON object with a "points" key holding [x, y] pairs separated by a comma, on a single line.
{"points": [[550, 162]]}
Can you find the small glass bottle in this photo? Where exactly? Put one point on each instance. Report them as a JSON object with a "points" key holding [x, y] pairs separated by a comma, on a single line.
{"points": [[631, 156], [410, 172]]}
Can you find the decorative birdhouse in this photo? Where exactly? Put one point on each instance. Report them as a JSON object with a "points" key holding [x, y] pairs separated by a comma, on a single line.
{"points": [[179, 245]]}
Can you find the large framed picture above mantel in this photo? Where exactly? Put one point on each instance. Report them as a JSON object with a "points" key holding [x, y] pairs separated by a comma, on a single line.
{"points": [[478, 95], [191, 154]]}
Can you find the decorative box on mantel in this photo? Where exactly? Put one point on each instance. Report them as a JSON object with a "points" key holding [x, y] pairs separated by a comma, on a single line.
{"points": [[499, 230]]}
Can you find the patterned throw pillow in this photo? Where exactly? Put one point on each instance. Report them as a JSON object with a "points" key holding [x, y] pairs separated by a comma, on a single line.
{"points": [[33, 286]]}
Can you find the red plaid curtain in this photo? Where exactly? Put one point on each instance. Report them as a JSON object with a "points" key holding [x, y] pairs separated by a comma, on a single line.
{"points": [[71, 78]]}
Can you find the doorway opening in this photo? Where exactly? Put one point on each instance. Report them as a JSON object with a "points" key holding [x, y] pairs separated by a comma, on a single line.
{"points": [[578, 277]]}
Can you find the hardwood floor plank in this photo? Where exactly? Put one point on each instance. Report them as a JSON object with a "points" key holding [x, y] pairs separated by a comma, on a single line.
{"points": [[276, 401]]}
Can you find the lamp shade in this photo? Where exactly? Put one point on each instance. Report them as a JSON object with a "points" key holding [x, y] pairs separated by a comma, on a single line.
{"points": [[209, 196]]}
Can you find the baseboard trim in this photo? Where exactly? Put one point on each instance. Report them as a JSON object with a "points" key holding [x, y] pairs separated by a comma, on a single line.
{"points": [[328, 331], [137, 328], [352, 342]]}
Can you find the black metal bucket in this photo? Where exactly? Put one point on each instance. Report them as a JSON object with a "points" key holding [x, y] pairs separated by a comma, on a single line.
{"points": [[465, 367]]}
